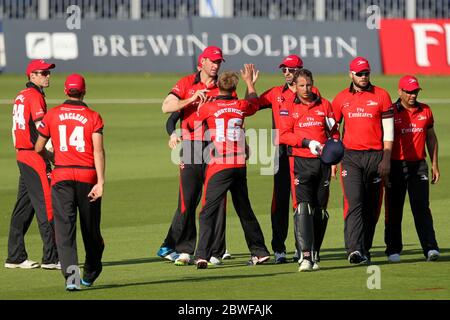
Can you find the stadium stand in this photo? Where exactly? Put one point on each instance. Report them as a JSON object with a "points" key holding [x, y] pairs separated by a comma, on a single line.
{"points": [[328, 10]]}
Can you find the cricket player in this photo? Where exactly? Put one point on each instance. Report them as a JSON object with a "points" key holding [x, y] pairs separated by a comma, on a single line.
{"points": [[275, 99], [227, 168], [77, 180], [413, 130], [183, 101], [308, 126], [33, 195], [368, 134]]}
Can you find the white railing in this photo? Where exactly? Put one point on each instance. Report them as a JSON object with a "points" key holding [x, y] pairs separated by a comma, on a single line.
{"points": [[321, 10]]}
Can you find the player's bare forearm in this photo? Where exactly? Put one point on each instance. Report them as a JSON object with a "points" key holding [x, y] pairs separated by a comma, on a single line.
{"points": [[39, 147]]}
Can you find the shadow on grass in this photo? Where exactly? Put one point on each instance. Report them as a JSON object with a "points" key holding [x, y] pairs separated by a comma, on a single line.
{"points": [[187, 279]]}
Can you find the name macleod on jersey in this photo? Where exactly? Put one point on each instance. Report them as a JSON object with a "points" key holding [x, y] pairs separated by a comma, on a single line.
{"points": [[73, 116]]}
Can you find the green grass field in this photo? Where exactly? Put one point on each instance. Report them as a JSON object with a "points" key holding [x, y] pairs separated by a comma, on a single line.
{"points": [[141, 195]]}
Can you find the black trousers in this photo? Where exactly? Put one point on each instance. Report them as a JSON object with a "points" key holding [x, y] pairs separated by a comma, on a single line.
{"points": [[280, 200], [362, 188], [216, 187], [182, 233], [411, 176], [311, 179], [312, 182], [67, 197], [33, 183]]}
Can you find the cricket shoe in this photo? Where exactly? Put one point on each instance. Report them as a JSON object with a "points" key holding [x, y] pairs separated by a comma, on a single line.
{"points": [[215, 262], [86, 283], [27, 264], [183, 259], [202, 264], [72, 287], [280, 257], [394, 257], [226, 255], [357, 258], [306, 265], [51, 266], [316, 266], [433, 255], [254, 260], [167, 253]]}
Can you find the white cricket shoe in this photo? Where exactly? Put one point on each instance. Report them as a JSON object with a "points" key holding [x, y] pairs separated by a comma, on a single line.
{"points": [[316, 266], [394, 257], [226, 255], [27, 264], [184, 259], [51, 266], [305, 265], [215, 261], [433, 255]]}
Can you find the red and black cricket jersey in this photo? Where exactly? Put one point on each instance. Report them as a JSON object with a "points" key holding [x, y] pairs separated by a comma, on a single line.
{"points": [[184, 89], [225, 120], [70, 126], [313, 121], [275, 98], [29, 107], [410, 131], [363, 113]]}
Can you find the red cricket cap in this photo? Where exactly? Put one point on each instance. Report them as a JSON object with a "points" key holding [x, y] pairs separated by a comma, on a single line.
{"points": [[292, 61], [75, 81], [409, 83], [212, 53], [359, 64], [38, 65]]}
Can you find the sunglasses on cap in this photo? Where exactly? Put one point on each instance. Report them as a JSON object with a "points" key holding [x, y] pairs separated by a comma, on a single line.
{"points": [[361, 74], [290, 70], [43, 73], [411, 92]]}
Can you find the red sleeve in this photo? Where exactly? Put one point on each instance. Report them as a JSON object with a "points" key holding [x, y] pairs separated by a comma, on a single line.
{"points": [[44, 128], [180, 89], [37, 106], [265, 99], [333, 131], [98, 124], [336, 106], [250, 106], [287, 135]]}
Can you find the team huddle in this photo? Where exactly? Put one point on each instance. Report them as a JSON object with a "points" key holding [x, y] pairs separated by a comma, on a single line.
{"points": [[382, 147], [378, 144]]}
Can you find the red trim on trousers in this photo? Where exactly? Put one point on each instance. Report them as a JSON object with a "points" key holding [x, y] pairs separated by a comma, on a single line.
{"points": [[37, 163]]}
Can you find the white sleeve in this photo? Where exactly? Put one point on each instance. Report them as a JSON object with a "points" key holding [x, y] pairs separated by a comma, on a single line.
{"points": [[388, 129]]}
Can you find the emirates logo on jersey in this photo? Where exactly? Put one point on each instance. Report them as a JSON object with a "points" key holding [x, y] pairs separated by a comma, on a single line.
{"points": [[344, 173]]}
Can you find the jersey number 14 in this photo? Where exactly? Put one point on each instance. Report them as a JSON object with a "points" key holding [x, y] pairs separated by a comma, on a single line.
{"points": [[76, 138]]}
